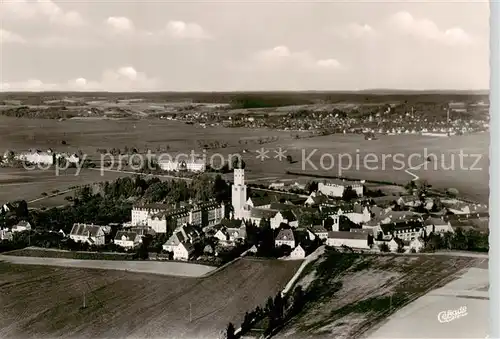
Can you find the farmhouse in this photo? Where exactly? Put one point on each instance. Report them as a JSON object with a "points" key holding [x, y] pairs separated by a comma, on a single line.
{"points": [[320, 232], [349, 239], [5, 234], [21, 226], [437, 225], [285, 237], [257, 214], [91, 234], [127, 239], [298, 253], [261, 202], [174, 241], [286, 217], [183, 251]]}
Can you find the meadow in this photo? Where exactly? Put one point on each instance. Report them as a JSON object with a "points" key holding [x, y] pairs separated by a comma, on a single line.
{"points": [[177, 137], [45, 302]]}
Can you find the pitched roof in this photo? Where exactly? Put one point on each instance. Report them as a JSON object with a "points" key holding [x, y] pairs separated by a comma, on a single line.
{"points": [[434, 221], [347, 235], [23, 223], [237, 232], [231, 223], [262, 201], [285, 234], [318, 229], [260, 213], [175, 239], [85, 230], [130, 236], [189, 247], [288, 215]]}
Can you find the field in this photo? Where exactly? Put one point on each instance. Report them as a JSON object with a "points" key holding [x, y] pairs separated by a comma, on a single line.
{"points": [[470, 291], [61, 254], [472, 180], [350, 294], [44, 302]]}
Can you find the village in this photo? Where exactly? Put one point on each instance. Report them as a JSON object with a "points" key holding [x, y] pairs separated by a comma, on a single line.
{"points": [[336, 214]]}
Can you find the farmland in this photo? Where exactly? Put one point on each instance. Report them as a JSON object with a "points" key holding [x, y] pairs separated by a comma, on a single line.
{"points": [[349, 294], [123, 304], [88, 136]]}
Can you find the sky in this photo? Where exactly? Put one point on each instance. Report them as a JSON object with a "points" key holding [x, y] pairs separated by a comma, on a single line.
{"points": [[127, 45]]}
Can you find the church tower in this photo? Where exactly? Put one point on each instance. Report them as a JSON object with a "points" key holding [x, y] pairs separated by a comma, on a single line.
{"points": [[239, 193]]}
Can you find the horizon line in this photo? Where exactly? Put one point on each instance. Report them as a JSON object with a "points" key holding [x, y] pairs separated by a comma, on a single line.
{"points": [[365, 91]]}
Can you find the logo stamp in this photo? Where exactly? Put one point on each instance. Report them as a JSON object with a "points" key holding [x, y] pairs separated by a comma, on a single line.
{"points": [[450, 315]]}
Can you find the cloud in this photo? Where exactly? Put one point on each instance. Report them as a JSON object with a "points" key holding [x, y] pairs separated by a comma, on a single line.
{"points": [[426, 29], [183, 30], [10, 37], [123, 79], [282, 56], [22, 9], [356, 31], [120, 24], [31, 85]]}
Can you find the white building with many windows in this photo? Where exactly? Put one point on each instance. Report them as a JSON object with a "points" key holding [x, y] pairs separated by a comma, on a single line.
{"points": [[336, 188]]}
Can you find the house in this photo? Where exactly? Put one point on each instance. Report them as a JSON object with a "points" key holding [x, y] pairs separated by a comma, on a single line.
{"points": [[458, 207], [394, 244], [320, 231], [174, 241], [21, 226], [127, 239], [257, 214], [91, 234], [298, 253], [183, 251], [286, 217], [409, 201], [285, 237], [191, 165], [317, 199], [36, 157], [398, 216], [358, 214], [416, 244], [349, 239], [5, 234], [437, 225], [253, 249], [261, 202]]}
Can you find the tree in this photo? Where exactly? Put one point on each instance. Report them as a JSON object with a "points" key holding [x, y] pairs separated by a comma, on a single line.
{"points": [[230, 331], [384, 247], [452, 192], [349, 194], [311, 186]]}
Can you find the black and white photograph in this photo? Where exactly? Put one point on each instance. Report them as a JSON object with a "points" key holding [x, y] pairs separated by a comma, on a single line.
{"points": [[246, 169]]}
